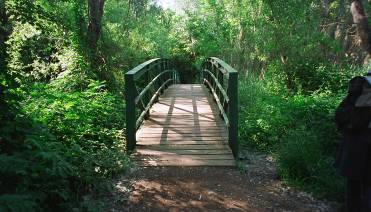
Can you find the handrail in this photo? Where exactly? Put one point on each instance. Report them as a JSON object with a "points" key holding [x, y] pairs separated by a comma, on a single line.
{"points": [[222, 80], [218, 102], [154, 75], [138, 98]]}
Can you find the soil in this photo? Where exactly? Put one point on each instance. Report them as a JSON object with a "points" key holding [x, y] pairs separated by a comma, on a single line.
{"points": [[254, 186]]}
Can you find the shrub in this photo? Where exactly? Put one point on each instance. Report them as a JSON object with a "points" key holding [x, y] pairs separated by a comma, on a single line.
{"points": [[297, 128], [61, 146], [303, 161], [261, 122]]}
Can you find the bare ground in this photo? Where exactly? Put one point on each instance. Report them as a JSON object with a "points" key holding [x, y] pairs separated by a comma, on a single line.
{"points": [[255, 187]]}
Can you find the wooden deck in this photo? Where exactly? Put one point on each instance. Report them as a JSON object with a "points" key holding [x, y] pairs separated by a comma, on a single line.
{"points": [[184, 129]]}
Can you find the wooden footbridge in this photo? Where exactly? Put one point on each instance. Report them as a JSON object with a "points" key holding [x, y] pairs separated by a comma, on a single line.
{"points": [[172, 124]]}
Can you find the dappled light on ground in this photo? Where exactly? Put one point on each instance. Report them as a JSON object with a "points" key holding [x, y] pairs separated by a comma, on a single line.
{"points": [[184, 195], [255, 187]]}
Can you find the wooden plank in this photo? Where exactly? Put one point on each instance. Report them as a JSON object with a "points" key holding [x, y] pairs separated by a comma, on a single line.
{"points": [[181, 121], [137, 157], [186, 116], [205, 97], [193, 102], [177, 113], [188, 89], [193, 133], [176, 125], [185, 105], [188, 101], [184, 136], [158, 139], [183, 124], [162, 115], [176, 94], [177, 100], [186, 162], [179, 142], [144, 151], [182, 110], [185, 91], [184, 127], [177, 130], [188, 106], [180, 94], [190, 130], [184, 147]]}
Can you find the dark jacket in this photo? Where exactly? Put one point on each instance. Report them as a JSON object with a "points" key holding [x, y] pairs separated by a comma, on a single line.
{"points": [[354, 154]]}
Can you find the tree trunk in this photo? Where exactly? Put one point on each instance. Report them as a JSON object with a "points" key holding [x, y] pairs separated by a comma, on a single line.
{"points": [[360, 19], [4, 33], [95, 19]]}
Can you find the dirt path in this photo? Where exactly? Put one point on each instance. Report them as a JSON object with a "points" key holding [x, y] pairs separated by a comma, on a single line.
{"points": [[256, 188]]}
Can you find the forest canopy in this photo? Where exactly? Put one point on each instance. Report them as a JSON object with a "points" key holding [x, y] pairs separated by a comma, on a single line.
{"points": [[62, 66]]}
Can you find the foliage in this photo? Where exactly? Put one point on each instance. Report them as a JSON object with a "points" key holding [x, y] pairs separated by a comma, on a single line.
{"points": [[80, 116], [61, 130], [304, 161], [144, 34], [68, 144], [294, 61], [62, 122], [298, 128], [39, 47]]}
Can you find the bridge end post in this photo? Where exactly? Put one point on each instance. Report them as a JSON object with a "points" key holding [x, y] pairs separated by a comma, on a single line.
{"points": [[233, 112], [130, 112]]}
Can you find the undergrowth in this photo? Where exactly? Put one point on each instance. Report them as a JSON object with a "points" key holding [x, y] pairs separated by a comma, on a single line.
{"points": [[61, 148], [296, 127]]}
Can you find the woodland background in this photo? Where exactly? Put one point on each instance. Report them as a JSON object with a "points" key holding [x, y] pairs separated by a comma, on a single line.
{"points": [[62, 64]]}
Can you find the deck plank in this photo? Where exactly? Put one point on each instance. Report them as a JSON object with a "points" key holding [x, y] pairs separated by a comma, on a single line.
{"points": [[186, 162], [184, 129]]}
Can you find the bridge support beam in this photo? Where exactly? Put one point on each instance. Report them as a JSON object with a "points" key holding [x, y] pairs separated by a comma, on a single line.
{"points": [[233, 112], [130, 112]]}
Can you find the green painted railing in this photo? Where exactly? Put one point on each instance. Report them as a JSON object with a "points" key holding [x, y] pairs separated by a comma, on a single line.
{"points": [[143, 85], [222, 80]]}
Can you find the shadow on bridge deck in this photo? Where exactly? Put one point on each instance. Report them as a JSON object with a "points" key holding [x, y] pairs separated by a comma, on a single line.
{"points": [[184, 129]]}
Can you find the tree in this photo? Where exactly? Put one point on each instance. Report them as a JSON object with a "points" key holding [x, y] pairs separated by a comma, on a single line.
{"points": [[95, 20], [360, 19]]}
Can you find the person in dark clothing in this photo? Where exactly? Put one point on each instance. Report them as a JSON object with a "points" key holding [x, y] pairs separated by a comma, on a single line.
{"points": [[353, 119]]}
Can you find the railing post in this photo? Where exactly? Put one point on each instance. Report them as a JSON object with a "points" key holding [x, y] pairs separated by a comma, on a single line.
{"points": [[130, 112], [233, 112]]}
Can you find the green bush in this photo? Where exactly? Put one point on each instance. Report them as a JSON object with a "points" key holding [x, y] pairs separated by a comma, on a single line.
{"points": [[303, 161], [261, 122], [306, 76], [61, 147], [91, 121], [297, 128], [78, 117]]}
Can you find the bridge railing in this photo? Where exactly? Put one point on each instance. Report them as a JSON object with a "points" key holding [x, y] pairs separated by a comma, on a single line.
{"points": [[143, 85], [222, 81]]}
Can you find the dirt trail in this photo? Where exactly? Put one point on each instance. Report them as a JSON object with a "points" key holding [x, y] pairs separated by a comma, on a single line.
{"points": [[257, 188]]}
